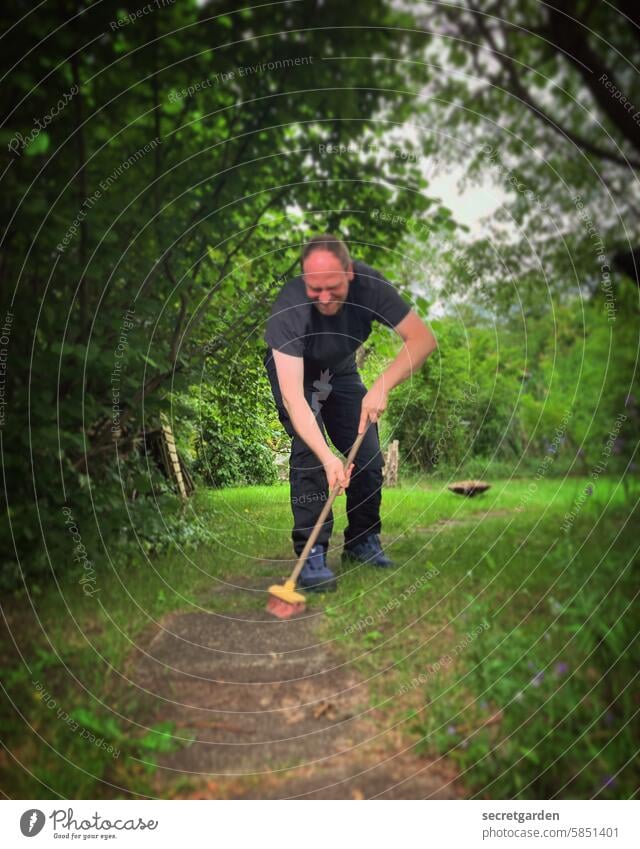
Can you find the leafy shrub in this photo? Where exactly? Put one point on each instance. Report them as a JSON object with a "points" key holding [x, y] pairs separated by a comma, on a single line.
{"points": [[226, 458]]}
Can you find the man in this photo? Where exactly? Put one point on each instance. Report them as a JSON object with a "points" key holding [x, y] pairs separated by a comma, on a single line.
{"points": [[317, 323]]}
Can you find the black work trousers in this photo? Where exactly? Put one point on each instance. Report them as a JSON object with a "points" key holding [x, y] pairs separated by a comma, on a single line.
{"points": [[336, 402]]}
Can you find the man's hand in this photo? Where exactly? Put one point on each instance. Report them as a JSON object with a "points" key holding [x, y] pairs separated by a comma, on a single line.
{"points": [[373, 406], [334, 469]]}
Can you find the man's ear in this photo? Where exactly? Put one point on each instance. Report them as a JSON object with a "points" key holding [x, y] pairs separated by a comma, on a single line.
{"points": [[350, 272]]}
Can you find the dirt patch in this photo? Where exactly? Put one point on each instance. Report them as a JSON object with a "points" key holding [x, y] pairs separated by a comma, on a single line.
{"points": [[472, 519], [275, 712]]}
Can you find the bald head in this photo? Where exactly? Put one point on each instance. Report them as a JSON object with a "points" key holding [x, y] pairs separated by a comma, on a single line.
{"points": [[326, 280]]}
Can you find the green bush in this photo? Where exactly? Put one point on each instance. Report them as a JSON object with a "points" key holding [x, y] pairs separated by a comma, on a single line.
{"points": [[233, 459], [525, 403], [236, 431]]}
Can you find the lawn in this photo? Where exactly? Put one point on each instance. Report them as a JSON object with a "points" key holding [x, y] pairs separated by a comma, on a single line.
{"points": [[500, 640]]}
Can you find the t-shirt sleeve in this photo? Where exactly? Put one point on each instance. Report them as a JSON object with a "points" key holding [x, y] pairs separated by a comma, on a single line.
{"points": [[287, 325], [390, 306]]}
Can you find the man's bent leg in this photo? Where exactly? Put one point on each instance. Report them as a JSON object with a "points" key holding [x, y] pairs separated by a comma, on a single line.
{"points": [[307, 478], [309, 492], [341, 414]]}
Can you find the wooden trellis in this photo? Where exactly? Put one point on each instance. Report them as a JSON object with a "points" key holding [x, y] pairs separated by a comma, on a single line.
{"points": [[174, 467]]}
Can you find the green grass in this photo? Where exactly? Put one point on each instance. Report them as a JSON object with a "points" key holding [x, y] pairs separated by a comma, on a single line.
{"points": [[503, 616], [514, 620]]}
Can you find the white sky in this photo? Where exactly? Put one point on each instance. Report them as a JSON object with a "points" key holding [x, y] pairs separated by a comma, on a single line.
{"points": [[470, 206]]}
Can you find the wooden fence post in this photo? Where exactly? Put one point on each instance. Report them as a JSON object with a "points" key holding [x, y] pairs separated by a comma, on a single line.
{"points": [[391, 464]]}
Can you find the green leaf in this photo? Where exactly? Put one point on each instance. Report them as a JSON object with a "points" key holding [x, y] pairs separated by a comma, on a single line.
{"points": [[373, 637], [105, 726], [159, 738], [39, 145]]}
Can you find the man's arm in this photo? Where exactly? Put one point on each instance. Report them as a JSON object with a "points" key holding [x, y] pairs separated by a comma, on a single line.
{"points": [[290, 372], [419, 343]]}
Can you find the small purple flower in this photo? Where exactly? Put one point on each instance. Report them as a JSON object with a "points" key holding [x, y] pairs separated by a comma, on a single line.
{"points": [[609, 718], [537, 679], [608, 781], [561, 668], [451, 730]]}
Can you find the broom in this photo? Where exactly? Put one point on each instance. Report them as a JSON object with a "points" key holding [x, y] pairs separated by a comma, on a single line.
{"points": [[284, 602]]}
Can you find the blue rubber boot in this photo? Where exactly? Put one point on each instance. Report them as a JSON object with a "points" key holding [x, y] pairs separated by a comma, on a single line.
{"points": [[369, 551], [316, 575]]}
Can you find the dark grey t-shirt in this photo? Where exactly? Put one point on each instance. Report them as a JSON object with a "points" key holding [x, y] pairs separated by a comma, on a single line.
{"points": [[297, 328]]}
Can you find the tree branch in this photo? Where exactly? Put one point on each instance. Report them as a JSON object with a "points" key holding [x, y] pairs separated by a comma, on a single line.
{"points": [[570, 36], [515, 87], [82, 194]]}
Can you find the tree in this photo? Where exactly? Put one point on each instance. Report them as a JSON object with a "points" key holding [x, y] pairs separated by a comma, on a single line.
{"points": [[161, 169], [545, 98]]}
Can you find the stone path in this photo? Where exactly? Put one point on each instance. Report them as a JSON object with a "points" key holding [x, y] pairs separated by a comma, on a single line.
{"points": [[274, 712]]}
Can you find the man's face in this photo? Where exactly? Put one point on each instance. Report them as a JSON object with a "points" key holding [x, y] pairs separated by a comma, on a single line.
{"points": [[326, 281]]}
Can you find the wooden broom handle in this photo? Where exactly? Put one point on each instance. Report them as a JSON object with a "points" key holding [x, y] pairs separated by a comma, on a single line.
{"points": [[327, 507]]}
